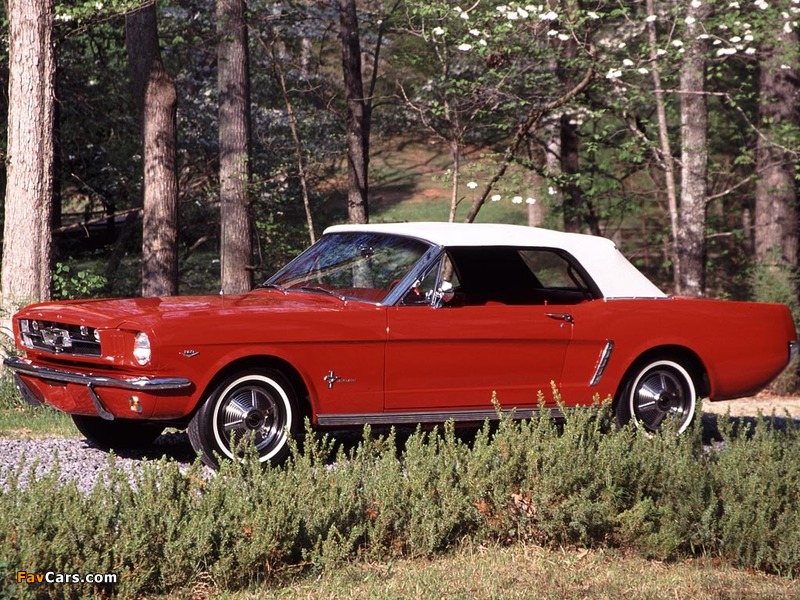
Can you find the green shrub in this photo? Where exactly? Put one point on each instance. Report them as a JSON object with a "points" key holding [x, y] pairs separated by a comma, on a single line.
{"points": [[577, 484], [757, 479], [778, 283]]}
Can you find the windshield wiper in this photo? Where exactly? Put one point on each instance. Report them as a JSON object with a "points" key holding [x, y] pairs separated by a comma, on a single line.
{"points": [[320, 290], [271, 286]]}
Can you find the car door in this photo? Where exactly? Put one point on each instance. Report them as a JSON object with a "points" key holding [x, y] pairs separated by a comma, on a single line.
{"points": [[494, 336]]}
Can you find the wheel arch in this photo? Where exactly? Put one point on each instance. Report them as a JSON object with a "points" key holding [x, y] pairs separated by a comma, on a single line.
{"points": [[262, 362], [682, 355]]}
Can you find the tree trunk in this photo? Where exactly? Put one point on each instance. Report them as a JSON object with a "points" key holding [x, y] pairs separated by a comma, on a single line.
{"points": [[233, 81], [358, 116], [665, 151], [571, 196], [691, 240], [27, 241], [156, 100], [776, 223]]}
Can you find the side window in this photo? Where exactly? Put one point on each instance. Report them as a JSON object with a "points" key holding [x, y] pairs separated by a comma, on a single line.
{"points": [[498, 275], [423, 292], [552, 270]]}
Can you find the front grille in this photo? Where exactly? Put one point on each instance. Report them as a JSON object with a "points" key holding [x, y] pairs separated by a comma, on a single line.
{"points": [[59, 338]]}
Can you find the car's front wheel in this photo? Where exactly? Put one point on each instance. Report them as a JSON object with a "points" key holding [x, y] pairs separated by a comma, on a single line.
{"points": [[657, 392], [256, 406], [119, 434]]}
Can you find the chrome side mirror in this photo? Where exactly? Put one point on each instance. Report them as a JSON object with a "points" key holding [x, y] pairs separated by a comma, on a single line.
{"points": [[443, 295]]}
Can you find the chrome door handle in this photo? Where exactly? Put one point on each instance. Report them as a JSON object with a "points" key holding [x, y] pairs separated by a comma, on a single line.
{"points": [[561, 317]]}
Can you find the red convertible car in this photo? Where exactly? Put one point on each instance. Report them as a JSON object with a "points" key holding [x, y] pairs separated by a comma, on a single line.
{"points": [[397, 324]]}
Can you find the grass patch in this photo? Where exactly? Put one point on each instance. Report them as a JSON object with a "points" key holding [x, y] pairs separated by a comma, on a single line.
{"points": [[21, 421], [27, 422], [525, 571]]}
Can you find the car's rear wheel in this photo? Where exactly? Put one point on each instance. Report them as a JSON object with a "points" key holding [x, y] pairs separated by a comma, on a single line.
{"points": [[658, 392], [118, 434], [256, 406]]}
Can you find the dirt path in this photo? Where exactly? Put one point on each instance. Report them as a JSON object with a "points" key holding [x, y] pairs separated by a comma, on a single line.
{"points": [[765, 402]]}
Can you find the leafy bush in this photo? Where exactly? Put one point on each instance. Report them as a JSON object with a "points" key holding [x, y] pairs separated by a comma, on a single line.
{"points": [[777, 283], [581, 483]]}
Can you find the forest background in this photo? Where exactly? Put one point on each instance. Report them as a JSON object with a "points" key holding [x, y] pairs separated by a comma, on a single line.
{"points": [[194, 146]]}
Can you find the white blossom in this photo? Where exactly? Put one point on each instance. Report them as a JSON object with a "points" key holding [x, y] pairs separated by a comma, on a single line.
{"points": [[475, 32], [677, 43], [482, 42], [735, 39], [690, 20], [762, 4], [660, 52], [552, 33], [437, 31], [613, 74], [627, 62], [563, 37], [726, 51], [517, 199], [472, 185], [787, 27], [549, 16], [750, 51], [696, 4], [551, 190], [733, 5], [522, 13], [651, 18], [592, 15], [643, 71], [495, 197], [465, 47], [530, 200], [512, 16]]}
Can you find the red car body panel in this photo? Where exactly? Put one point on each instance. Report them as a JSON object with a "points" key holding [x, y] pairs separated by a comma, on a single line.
{"points": [[425, 358]]}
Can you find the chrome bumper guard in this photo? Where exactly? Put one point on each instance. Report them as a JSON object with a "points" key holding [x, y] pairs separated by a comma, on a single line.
{"points": [[146, 384]]}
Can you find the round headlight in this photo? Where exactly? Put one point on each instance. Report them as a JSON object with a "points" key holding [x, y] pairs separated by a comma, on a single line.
{"points": [[141, 348]]}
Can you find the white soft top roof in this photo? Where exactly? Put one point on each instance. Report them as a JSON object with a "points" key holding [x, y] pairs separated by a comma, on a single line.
{"points": [[610, 270]]}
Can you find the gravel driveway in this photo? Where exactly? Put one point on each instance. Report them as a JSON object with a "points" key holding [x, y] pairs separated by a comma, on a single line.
{"points": [[81, 461]]}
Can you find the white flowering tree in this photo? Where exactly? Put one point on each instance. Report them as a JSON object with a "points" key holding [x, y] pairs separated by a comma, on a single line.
{"points": [[493, 71]]}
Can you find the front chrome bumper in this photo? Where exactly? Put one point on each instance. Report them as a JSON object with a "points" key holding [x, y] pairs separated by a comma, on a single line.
{"points": [[144, 384]]}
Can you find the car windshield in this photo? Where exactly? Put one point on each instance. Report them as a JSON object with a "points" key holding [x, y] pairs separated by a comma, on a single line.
{"points": [[365, 266]]}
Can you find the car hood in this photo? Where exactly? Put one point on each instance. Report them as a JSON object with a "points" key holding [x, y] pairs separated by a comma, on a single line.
{"points": [[148, 312]]}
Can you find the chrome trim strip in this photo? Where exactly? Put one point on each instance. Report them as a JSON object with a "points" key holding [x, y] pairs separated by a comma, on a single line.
{"points": [[140, 383], [793, 350], [605, 355], [104, 413], [427, 417]]}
